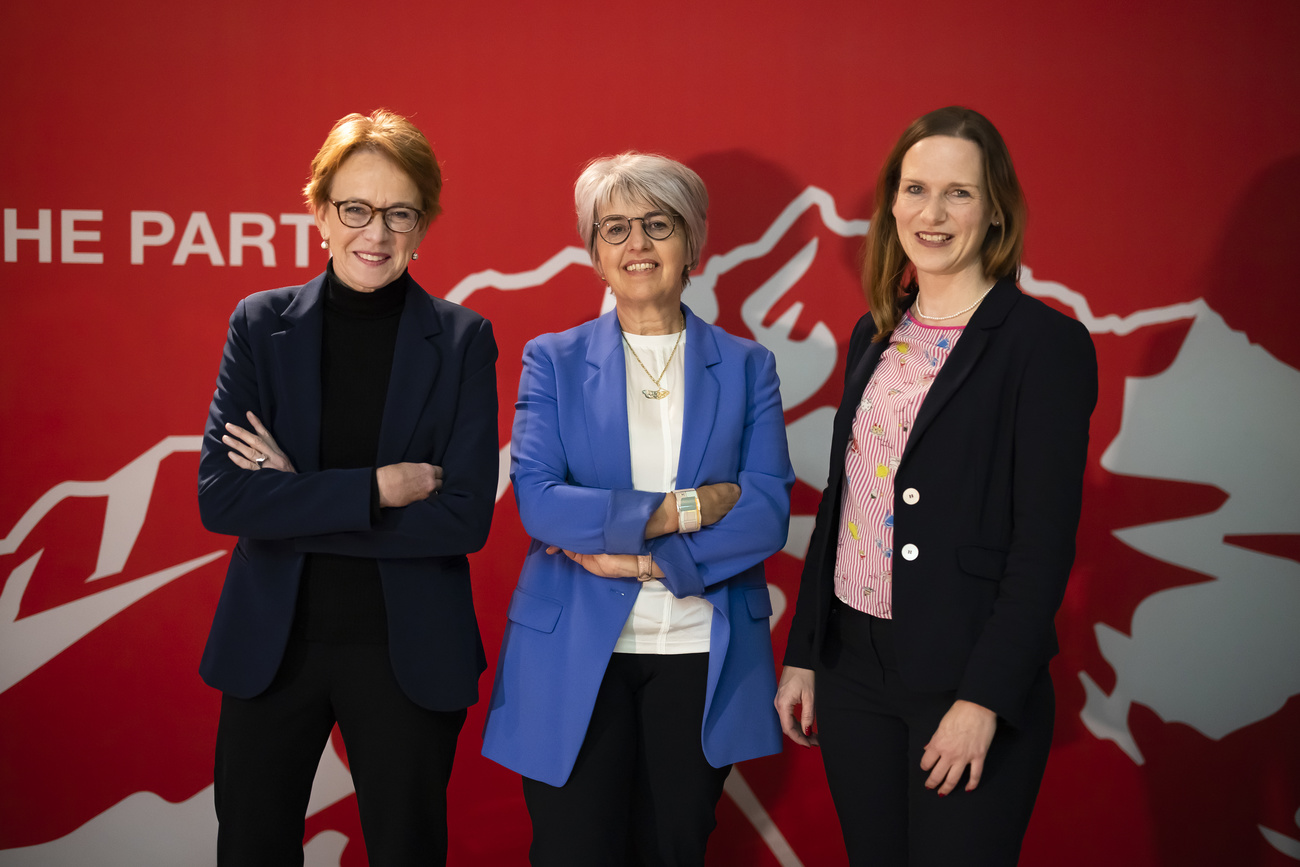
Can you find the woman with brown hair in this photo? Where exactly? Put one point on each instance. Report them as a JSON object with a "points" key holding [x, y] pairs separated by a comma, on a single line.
{"points": [[944, 539]]}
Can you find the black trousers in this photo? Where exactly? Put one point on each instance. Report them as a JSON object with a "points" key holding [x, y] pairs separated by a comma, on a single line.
{"points": [[873, 731], [641, 791], [268, 748]]}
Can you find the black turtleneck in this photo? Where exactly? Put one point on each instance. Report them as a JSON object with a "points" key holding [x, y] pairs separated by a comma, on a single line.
{"points": [[340, 598]]}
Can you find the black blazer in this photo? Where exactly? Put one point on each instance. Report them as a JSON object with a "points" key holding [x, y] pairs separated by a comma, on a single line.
{"points": [[441, 409], [995, 460]]}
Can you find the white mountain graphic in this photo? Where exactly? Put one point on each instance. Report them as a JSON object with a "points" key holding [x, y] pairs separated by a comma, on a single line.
{"points": [[1218, 655]]}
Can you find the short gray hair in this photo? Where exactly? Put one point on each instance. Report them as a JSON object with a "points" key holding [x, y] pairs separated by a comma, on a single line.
{"points": [[660, 181]]}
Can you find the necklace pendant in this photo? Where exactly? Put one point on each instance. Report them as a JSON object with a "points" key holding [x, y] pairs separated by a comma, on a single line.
{"points": [[655, 394]]}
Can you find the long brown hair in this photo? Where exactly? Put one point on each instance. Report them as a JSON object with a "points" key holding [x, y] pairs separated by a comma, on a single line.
{"points": [[887, 275]]}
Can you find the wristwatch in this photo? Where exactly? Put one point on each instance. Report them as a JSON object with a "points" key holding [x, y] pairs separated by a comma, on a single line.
{"points": [[688, 510]]}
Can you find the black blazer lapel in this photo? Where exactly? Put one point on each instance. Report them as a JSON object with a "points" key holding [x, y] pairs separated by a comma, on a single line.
{"points": [[297, 352], [417, 361], [974, 339], [841, 431], [853, 388]]}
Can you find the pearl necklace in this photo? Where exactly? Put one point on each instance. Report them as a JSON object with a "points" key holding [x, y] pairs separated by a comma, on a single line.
{"points": [[917, 307]]}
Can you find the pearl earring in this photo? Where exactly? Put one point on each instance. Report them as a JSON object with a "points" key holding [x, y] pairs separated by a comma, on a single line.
{"points": [[324, 245], [415, 256]]}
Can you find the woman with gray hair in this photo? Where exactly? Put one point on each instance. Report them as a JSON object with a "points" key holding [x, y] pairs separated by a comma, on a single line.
{"points": [[650, 466]]}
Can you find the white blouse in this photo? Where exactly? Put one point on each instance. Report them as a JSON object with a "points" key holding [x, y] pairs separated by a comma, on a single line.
{"points": [[659, 622]]}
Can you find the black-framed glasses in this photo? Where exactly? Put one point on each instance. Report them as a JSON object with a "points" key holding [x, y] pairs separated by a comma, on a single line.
{"points": [[398, 218], [657, 225]]}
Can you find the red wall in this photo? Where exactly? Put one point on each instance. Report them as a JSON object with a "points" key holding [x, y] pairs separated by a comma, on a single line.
{"points": [[1160, 152]]}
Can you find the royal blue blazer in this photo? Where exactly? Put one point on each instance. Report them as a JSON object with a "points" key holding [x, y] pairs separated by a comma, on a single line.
{"points": [[572, 471], [441, 409]]}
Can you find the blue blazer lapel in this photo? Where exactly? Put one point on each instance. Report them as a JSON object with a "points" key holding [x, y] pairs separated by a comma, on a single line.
{"points": [[297, 353], [702, 394], [970, 346], [604, 395], [417, 361]]}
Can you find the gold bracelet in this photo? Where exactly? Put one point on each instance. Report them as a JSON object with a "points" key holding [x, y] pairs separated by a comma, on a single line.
{"points": [[645, 567]]}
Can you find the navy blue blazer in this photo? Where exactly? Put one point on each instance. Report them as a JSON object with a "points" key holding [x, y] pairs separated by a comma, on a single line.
{"points": [[441, 409], [572, 470], [996, 458]]}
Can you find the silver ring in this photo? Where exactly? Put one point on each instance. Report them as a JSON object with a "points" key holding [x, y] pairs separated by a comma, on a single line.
{"points": [[259, 460]]}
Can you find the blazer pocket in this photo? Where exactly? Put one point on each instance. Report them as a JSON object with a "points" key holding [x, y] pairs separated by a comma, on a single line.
{"points": [[982, 562], [759, 601], [535, 612]]}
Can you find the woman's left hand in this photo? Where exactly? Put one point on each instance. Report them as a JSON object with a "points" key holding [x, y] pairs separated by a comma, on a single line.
{"points": [[247, 446], [604, 565], [962, 739]]}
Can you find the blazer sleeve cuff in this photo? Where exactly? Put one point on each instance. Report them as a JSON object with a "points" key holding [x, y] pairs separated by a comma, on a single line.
{"points": [[626, 517], [681, 572], [375, 514], [1006, 699]]}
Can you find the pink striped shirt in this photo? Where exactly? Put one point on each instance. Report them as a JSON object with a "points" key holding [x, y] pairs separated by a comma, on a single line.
{"points": [[890, 402]]}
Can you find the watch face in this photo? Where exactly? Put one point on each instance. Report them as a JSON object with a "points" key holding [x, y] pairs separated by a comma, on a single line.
{"points": [[688, 510]]}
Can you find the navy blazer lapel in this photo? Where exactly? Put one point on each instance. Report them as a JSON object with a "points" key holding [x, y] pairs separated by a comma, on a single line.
{"points": [[417, 361], [853, 388], [970, 346], [702, 392], [297, 354], [842, 429], [604, 397]]}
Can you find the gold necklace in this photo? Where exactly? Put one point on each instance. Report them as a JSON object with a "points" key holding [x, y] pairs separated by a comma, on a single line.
{"points": [[658, 392]]}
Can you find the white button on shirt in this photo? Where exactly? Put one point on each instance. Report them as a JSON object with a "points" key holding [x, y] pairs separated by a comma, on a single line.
{"points": [[910, 552], [888, 408]]}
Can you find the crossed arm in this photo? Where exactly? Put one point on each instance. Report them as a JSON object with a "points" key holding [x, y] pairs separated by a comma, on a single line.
{"points": [[399, 484], [605, 529], [716, 501], [429, 509]]}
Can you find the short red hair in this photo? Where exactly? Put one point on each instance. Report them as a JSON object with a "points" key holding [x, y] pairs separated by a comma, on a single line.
{"points": [[383, 132]]}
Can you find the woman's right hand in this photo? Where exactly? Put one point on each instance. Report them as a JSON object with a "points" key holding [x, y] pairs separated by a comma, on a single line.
{"points": [[256, 449], [403, 484], [796, 690]]}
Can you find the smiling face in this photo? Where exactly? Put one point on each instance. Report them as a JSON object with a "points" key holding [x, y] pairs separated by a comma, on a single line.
{"points": [[373, 256], [643, 273], [941, 207]]}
